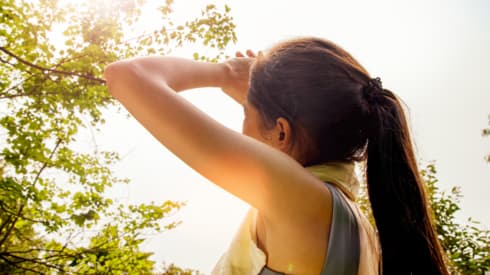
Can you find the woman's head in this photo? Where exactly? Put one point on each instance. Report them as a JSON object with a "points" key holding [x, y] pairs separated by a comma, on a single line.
{"points": [[311, 99], [314, 88]]}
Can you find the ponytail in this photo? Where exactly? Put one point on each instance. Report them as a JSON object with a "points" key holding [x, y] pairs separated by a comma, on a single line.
{"points": [[409, 243]]}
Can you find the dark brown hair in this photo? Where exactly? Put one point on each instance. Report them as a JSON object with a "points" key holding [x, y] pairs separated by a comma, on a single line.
{"points": [[337, 114]]}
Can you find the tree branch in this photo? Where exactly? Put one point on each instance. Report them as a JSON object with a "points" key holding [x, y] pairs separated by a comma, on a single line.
{"points": [[5, 223], [21, 235], [21, 208], [35, 250], [12, 225], [26, 94], [145, 35], [45, 164], [5, 96], [6, 62], [15, 215], [25, 62], [18, 266], [23, 259], [17, 85]]}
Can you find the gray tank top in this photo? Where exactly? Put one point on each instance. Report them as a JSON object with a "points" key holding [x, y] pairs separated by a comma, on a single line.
{"points": [[343, 250]]}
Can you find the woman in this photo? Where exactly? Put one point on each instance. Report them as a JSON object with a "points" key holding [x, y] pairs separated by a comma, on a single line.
{"points": [[311, 110]]}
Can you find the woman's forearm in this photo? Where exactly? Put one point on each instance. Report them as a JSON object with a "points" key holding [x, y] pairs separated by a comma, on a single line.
{"points": [[178, 73]]}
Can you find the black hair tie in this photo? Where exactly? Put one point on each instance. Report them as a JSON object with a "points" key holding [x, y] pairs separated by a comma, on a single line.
{"points": [[373, 91]]}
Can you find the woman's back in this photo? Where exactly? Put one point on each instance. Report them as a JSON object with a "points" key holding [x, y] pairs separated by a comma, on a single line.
{"points": [[352, 244]]}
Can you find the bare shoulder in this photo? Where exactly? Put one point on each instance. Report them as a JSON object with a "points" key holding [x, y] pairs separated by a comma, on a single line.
{"points": [[297, 236], [290, 192], [301, 200]]}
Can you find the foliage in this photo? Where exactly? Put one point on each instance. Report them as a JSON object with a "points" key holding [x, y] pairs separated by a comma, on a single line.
{"points": [[467, 245], [56, 215], [171, 269]]}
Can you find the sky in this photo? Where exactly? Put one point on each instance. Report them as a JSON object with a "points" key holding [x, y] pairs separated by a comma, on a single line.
{"points": [[433, 54]]}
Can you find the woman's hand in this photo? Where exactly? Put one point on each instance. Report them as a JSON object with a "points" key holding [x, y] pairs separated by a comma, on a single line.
{"points": [[238, 77]]}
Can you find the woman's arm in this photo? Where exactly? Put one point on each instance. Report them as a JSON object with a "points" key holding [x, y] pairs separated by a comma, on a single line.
{"points": [[179, 73], [201, 74], [255, 172]]}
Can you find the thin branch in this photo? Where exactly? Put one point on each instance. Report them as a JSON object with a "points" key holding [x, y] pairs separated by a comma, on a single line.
{"points": [[15, 214], [62, 61], [45, 164], [144, 35], [18, 266], [86, 76], [13, 65], [5, 96], [31, 250], [21, 236], [23, 259], [21, 208], [66, 59], [6, 62], [5, 223], [18, 84], [27, 94], [12, 225]]}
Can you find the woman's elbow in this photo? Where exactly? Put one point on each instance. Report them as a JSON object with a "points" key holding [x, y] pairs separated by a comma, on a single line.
{"points": [[114, 71], [117, 74]]}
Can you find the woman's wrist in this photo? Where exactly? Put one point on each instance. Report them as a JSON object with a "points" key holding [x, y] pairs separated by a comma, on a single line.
{"points": [[223, 74]]}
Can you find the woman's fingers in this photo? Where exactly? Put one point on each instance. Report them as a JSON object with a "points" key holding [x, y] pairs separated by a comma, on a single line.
{"points": [[250, 53]]}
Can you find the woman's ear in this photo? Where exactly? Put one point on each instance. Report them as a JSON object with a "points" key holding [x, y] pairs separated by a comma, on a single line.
{"points": [[282, 135]]}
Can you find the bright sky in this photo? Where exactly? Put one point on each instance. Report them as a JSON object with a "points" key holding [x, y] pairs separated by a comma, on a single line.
{"points": [[433, 54]]}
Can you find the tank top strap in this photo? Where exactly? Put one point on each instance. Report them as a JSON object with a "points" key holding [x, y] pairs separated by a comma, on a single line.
{"points": [[343, 253]]}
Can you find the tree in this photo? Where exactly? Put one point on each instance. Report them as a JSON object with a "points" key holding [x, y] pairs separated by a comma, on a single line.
{"points": [[467, 245], [55, 212], [171, 269]]}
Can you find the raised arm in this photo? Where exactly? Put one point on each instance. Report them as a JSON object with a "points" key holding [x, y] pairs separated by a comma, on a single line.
{"points": [[184, 74], [255, 172], [178, 73]]}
